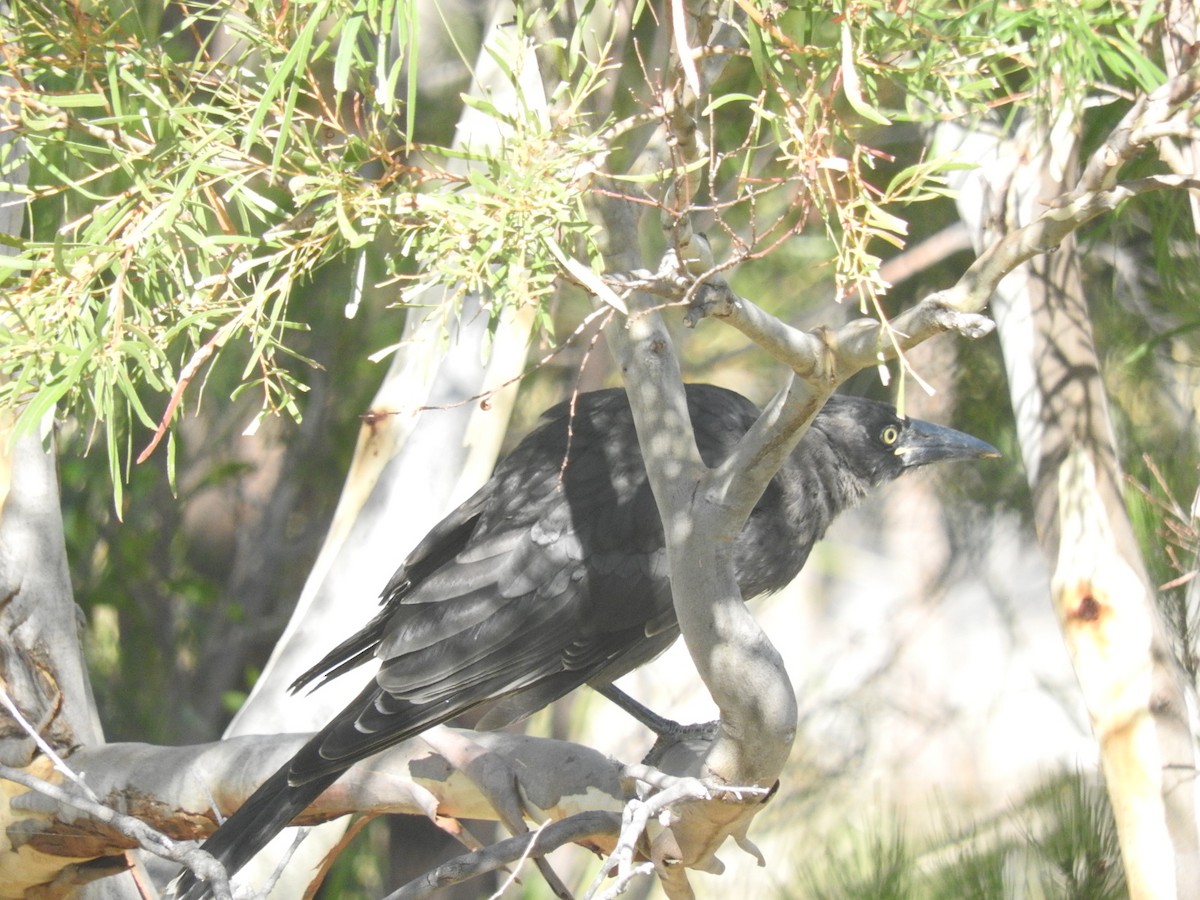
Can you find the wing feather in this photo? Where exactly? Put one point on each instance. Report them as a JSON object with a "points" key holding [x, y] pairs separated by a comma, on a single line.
{"points": [[552, 575]]}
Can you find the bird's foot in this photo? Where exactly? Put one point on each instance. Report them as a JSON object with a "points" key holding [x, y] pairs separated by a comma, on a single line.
{"points": [[673, 739], [657, 796], [692, 740]]}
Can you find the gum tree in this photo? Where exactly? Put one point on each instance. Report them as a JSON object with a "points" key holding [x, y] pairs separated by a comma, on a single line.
{"points": [[183, 175]]}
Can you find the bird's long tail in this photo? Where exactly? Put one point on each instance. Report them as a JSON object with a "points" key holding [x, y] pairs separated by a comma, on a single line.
{"points": [[264, 814]]}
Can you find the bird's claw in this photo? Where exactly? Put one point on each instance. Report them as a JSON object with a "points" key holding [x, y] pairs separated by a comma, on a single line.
{"points": [[692, 739]]}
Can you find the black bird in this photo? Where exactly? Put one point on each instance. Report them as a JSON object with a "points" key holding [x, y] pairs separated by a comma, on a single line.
{"points": [[554, 574]]}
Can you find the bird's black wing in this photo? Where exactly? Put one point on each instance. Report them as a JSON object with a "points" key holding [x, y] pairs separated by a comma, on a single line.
{"points": [[567, 521], [437, 548], [563, 570], [552, 575]]}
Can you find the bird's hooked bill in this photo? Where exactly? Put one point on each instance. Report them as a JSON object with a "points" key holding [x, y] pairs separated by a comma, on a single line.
{"points": [[923, 442]]}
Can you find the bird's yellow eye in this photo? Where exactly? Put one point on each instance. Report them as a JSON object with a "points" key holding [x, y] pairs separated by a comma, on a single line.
{"points": [[889, 435]]}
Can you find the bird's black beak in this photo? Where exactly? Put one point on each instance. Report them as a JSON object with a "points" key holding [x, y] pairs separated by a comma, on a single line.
{"points": [[922, 443]]}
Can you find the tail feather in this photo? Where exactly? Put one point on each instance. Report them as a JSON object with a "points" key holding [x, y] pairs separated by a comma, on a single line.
{"points": [[267, 811], [302, 778]]}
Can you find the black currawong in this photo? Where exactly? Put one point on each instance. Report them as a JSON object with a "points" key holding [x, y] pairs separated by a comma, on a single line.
{"points": [[554, 575]]}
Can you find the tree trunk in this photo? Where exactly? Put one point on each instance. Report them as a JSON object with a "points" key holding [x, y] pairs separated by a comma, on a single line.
{"points": [[1137, 697], [426, 444], [42, 670]]}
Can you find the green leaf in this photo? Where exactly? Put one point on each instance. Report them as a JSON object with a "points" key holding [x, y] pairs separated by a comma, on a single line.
{"points": [[347, 53], [90, 99]]}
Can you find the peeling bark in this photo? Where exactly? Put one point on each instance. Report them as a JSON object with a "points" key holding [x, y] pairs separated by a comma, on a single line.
{"points": [[174, 790], [1102, 601], [42, 672]]}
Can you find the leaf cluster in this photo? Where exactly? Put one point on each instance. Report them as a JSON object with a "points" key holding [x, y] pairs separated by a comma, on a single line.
{"points": [[182, 181], [188, 166], [837, 83]]}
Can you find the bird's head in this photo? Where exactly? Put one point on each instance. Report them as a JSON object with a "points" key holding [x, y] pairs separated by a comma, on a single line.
{"points": [[877, 445]]}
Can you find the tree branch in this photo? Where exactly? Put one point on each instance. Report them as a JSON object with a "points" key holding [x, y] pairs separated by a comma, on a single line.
{"points": [[157, 797], [1137, 128]]}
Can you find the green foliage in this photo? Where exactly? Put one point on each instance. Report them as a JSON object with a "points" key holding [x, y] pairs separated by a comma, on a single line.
{"points": [[1076, 841], [191, 165], [156, 201], [185, 594], [986, 55], [1058, 843], [180, 191], [806, 138], [496, 230], [877, 865], [203, 177]]}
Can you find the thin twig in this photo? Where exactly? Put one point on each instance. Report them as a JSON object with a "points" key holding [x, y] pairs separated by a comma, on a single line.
{"points": [[516, 867], [199, 358], [47, 750]]}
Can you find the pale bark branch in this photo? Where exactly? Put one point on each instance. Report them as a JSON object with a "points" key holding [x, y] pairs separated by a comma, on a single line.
{"points": [[419, 421], [1137, 128], [1178, 41], [739, 666], [43, 670], [184, 791]]}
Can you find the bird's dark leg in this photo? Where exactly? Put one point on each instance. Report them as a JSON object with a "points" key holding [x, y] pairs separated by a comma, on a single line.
{"points": [[663, 727], [644, 714], [694, 739]]}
